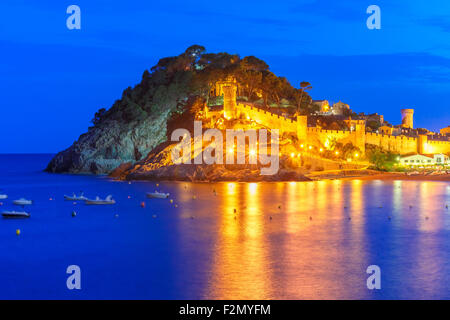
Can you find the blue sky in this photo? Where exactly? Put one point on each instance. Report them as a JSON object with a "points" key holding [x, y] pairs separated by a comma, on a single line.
{"points": [[53, 79]]}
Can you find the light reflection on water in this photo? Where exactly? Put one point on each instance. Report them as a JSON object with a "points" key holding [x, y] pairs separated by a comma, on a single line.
{"points": [[321, 239]]}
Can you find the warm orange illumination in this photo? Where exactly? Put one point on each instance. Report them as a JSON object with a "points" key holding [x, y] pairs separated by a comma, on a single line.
{"points": [[252, 152], [292, 155], [301, 146], [231, 150], [356, 155], [337, 152], [310, 147], [321, 149]]}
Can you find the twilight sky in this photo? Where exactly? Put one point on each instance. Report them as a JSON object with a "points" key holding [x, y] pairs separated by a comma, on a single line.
{"points": [[53, 79]]}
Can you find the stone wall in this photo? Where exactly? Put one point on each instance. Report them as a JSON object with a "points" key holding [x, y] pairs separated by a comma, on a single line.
{"points": [[322, 138]]}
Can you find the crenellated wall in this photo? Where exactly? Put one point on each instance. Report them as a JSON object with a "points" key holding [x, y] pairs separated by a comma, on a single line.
{"points": [[396, 144], [267, 118], [319, 137], [437, 147]]}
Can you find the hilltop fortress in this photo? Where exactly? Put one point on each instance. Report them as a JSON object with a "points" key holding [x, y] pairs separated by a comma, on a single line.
{"points": [[403, 142]]}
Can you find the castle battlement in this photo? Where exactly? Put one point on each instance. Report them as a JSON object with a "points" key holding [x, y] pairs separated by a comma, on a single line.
{"points": [[318, 137]]}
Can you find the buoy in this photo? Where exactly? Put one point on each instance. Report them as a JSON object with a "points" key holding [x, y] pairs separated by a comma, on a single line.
{"points": [[142, 204], [129, 197], [270, 217], [129, 182], [74, 214], [18, 232], [154, 216], [116, 215], [50, 199], [279, 206], [171, 200]]}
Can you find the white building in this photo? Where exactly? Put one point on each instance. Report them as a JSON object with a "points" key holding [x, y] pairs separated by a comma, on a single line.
{"points": [[425, 160]]}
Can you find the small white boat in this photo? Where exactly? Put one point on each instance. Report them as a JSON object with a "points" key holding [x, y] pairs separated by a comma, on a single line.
{"points": [[15, 214], [3, 196], [74, 197], [158, 195], [23, 202], [97, 200]]}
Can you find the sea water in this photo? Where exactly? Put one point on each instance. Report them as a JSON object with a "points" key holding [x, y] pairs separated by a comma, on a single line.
{"points": [[290, 240]]}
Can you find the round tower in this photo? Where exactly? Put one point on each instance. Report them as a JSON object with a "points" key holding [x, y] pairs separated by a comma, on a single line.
{"points": [[229, 100], [407, 118]]}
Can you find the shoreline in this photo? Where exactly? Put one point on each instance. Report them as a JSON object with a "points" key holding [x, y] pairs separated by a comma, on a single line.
{"points": [[295, 176], [375, 175], [389, 176]]}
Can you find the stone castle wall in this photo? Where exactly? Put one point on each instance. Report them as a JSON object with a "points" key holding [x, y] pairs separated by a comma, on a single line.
{"points": [[321, 138]]}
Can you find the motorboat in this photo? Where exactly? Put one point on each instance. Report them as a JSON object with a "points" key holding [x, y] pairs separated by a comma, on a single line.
{"points": [[23, 202], [74, 197], [98, 201], [158, 195], [3, 196], [15, 214]]}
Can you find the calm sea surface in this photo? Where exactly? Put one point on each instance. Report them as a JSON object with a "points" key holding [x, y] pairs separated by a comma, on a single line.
{"points": [[304, 240]]}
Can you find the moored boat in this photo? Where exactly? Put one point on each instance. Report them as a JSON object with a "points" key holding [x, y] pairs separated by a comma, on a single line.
{"points": [[158, 195], [98, 201], [23, 202], [74, 197], [3, 196], [15, 214]]}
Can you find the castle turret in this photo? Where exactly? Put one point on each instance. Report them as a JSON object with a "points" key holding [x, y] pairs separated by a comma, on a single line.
{"points": [[407, 118], [302, 126], [229, 89]]}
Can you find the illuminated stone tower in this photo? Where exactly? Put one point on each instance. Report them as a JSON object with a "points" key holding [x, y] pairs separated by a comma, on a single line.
{"points": [[229, 89], [302, 126], [407, 118]]}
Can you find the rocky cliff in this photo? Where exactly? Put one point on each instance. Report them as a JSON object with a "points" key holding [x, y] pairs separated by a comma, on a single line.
{"points": [[104, 147]]}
